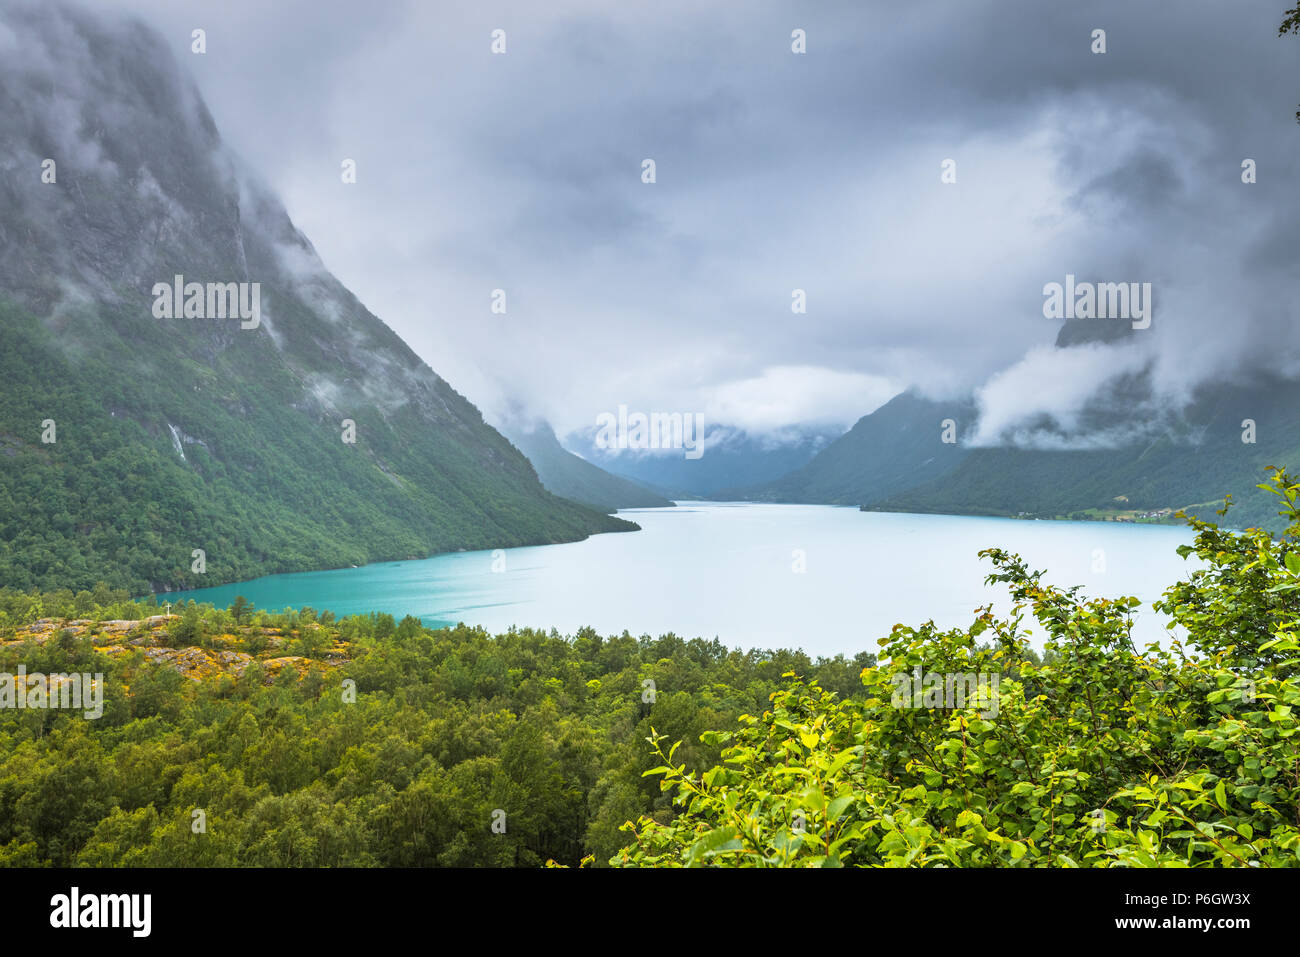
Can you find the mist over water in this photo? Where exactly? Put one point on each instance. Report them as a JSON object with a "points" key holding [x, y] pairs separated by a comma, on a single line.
{"points": [[727, 571]]}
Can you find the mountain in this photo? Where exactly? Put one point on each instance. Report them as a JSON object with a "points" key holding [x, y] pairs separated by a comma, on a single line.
{"points": [[1190, 463], [884, 453], [732, 458], [1147, 458], [149, 450], [572, 477], [901, 445]]}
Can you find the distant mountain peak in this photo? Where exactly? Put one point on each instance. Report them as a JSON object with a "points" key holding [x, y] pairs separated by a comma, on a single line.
{"points": [[1075, 332], [567, 474]]}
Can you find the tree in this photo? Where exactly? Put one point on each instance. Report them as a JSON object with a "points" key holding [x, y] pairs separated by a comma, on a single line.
{"points": [[1291, 24], [188, 629], [240, 609]]}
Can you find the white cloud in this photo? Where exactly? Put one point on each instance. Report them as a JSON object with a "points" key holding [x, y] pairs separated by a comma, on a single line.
{"points": [[783, 396], [1050, 382]]}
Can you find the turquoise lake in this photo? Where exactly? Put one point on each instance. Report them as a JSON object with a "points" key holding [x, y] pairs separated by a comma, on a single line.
{"points": [[731, 571]]}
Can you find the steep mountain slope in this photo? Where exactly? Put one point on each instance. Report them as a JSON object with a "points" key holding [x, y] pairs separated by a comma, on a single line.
{"points": [[225, 435], [572, 477]]}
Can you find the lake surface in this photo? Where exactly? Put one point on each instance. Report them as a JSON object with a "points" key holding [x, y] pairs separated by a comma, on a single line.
{"points": [[728, 571]]}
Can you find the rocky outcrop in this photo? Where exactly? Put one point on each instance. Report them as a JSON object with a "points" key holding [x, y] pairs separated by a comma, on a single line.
{"points": [[228, 653]]}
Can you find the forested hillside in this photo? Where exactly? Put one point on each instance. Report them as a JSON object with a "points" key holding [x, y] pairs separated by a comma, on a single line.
{"points": [[1195, 461], [246, 716], [257, 485]]}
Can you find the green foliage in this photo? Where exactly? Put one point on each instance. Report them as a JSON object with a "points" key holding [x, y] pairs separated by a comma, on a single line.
{"points": [[447, 727], [1291, 24], [1097, 755], [264, 485], [187, 629], [240, 609]]}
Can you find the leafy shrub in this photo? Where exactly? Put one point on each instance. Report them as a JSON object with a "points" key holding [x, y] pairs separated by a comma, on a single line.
{"points": [[1100, 755]]}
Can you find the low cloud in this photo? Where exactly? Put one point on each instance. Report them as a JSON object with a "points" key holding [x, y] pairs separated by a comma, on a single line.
{"points": [[784, 396]]}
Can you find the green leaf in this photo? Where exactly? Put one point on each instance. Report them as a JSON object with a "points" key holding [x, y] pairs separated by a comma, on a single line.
{"points": [[837, 806], [717, 841]]}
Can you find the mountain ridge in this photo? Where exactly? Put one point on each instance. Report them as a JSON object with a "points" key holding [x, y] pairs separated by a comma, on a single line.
{"points": [[570, 476], [732, 458], [1149, 457]]}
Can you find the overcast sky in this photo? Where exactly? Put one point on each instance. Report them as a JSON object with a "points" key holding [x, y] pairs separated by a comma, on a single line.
{"points": [[775, 171]]}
